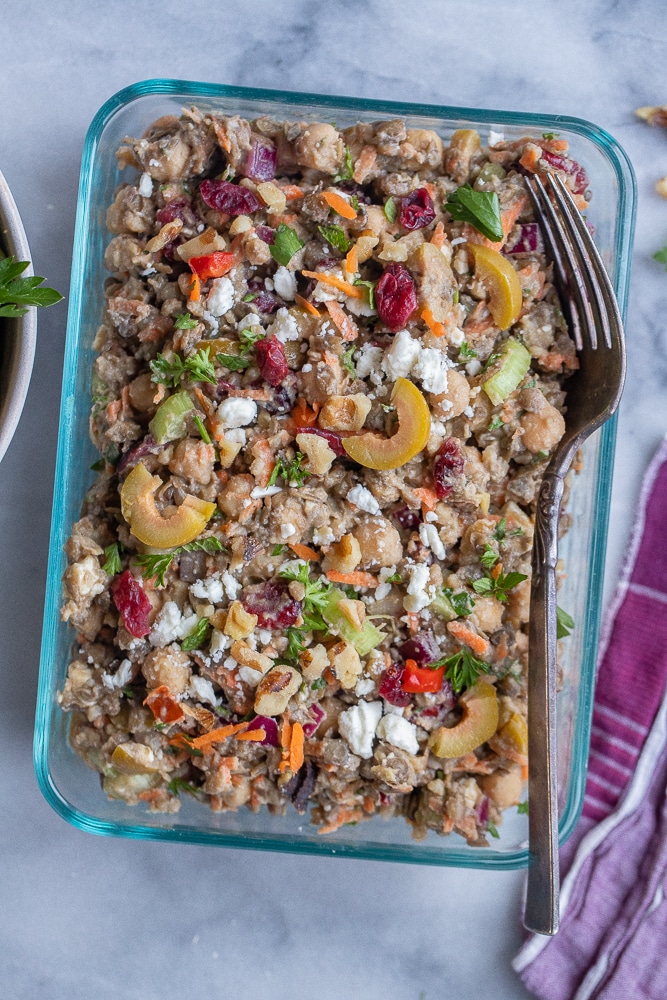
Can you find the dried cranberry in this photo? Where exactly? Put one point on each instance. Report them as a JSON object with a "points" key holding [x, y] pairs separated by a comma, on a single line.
{"points": [[232, 199], [416, 209], [528, 239], [569, 167], [133, 604], [266, 301], [178, 208], [390, 687], [271, 360], [483, 811], [395, 296], [334, 440], [272, 603], [261, 160], [283, 397], [447, 467], [408, 519], [422, 648], [265, 234]]}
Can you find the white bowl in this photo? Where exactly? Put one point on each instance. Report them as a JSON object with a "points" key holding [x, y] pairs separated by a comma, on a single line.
{"points": [[17, 336]]}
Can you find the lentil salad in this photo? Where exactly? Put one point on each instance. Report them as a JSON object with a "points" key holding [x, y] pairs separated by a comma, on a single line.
{"points": [[303, 572]]}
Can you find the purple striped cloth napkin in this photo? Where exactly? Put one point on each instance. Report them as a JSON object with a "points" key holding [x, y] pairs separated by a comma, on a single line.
{"points": [[612, 942]]}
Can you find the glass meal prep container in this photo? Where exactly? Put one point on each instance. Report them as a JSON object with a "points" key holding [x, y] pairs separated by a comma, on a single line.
{"points": [[68, 784]]}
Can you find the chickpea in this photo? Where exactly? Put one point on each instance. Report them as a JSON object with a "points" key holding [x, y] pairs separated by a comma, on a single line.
{"points": [[321, 147], [170, 667], [456, 397], [504, 787], [488, 614], [379, 541], [542, 430]]}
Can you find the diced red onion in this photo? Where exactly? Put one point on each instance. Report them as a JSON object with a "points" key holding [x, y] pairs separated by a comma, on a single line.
{"points": [[270, 727], [422, 648], [261, 161], [317, 714], [528, 239]]}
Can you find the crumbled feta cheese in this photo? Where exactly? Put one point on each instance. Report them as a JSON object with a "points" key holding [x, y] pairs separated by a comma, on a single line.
{"points": [[120, 678], [468, 412], [86, 578], [474, 367], [268, 284], [327, 293], [284, 327], [386, 572], [382, 590], [145, 185], [359, 307], [403, 354], [390, 709], [250, 676], [201, 689], [221, 296], [248, 321], [236, 434], [264, 635], [456, 336], [171, 625], [237, 412], [153, 163], [287, 530], [367, 360], [211, 322], [307, 368], [431, 539], [431, 369], [284, 282], [364, 499], [264, 491], [357, 726], [365, 685], [219, 642], [230, 663], [323, 536], [419, 594], [231, 585], [495, 137], [430, 515], [209, 589], [459, 239], [399, 732]]}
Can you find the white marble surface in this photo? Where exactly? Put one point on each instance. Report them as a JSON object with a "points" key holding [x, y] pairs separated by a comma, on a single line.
{"points": [[81, 916]]}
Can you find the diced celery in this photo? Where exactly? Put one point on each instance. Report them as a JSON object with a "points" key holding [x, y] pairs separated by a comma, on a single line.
{"points": [[364, 639], [168, 424], [507, 372], [442, 607]]}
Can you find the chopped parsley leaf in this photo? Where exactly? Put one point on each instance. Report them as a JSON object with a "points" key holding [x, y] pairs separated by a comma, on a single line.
{"points": [[203, 433], [285, 244], [480, 208], [335, 236], [184, 321], [278, 550], [661, 256], [390, 209], [491, 828], [197, 637], [498, 586], [369, 286], [466, 352], [234, 362], [564, 623], [347, 361], [522, 808], [462, 670], [496, 423], [112, 564], [345, 174], [291, 472], [462, 602]]}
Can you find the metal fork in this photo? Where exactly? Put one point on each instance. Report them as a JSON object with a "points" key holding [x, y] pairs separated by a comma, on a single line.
{"points": [[593, 394]]}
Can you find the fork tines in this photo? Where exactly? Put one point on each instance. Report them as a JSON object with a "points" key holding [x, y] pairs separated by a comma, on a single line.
{"points": [[580, 273]]}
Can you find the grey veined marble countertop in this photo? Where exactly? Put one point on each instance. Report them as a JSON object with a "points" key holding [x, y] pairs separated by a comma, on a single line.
{"points": [[84, 917]]}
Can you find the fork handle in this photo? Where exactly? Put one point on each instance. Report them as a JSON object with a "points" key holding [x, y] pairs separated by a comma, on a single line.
{"points": [[542, 911]]}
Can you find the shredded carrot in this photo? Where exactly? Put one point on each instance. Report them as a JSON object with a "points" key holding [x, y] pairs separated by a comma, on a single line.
{"points": [[413, 623], [331, 279], [304, 415], [524, 772], [427, 497], [208, 406], [497, 570], [291, 191], [305, 304], [296, 756], [356, 579], [339, 204], [304, 552], [430, 188], [553, 145], [464, 634], [346, 326], [254, 735], [112, 411], [264, 461], [351, 260], [437, 329], [195, 289], [217, 735], [479, 320], [438, 237], [285, 740], [345, 814], [530, 158], [501, 649]]}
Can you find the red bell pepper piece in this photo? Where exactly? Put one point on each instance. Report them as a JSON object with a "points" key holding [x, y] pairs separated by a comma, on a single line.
{"points": [[163, 705], [213, 265], [419, 680]]}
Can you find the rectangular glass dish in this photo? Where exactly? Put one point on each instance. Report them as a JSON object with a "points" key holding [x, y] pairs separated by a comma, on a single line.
{"points": [[68, 784]]}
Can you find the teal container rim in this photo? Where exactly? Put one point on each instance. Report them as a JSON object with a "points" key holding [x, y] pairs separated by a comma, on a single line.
{"points": [[624, 234]]}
